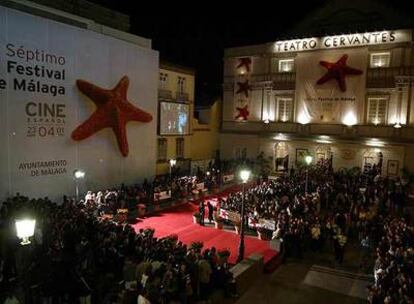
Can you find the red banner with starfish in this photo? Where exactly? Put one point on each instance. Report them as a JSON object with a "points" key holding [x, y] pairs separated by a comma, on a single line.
{"points": [[242, 88], [331, 85]]}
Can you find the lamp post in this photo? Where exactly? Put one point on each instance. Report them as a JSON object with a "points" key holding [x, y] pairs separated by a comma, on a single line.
{"points": [[172, 164], [308, 161], [25, 230], [244, 176], [78, 174]]}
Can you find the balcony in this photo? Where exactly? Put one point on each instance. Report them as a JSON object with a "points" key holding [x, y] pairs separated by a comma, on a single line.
{"points": [[375, 78], [281, 81], [385, 77], [181, 97], [164, 94], [387, 133]]}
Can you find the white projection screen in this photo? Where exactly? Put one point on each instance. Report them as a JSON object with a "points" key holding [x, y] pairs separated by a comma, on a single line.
{"points": [[174, 118]]}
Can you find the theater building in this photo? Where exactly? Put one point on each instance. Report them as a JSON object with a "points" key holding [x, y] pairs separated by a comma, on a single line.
{"points": [[348, 98]]}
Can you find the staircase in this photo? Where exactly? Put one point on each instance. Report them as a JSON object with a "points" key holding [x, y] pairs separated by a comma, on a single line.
{"points": [[339, 281]]}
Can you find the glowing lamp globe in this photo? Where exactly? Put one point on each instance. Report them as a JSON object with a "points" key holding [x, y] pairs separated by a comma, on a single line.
{"points": [[244, 175], [173, 162], [308, 159], [25, 229], [79, 174]]}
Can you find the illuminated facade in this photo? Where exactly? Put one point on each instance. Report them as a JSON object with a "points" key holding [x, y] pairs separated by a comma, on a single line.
{"points": [[175, 94], [345, 97], [181, 136]]}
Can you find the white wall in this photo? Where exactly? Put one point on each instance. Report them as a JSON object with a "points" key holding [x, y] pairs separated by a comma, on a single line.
{"points": [[98, 59]]}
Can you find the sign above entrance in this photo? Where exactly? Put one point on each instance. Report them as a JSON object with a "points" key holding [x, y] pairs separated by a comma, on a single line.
{"points": [[341, 41]]}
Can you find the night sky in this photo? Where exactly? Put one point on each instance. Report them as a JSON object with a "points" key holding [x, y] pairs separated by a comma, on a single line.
{"points": [[197, 38]]}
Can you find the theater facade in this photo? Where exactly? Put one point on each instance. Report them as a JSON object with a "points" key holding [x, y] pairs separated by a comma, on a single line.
{"points": [[346, 98]]}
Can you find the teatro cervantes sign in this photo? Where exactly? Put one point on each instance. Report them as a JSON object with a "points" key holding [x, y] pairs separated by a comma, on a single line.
{"points": [[342, 41]]}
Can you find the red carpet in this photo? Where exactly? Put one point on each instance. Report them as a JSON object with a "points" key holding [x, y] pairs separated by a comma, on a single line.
{"points": [[179, 221]]}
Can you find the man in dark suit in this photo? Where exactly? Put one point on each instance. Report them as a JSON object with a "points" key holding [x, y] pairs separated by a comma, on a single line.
{"points": [[210, 211], [201, 210]]}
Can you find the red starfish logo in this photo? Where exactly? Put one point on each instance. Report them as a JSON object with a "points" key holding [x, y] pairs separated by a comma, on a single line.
{"points": [[113, 111], [244, 87], [338, 71], [243, 113], [245, 62]]}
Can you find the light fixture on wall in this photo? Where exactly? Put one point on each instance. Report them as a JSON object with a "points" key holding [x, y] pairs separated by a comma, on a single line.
{"points": [[281, 137], [303, 119], [323, 141], [349, 119], [374, 142]]}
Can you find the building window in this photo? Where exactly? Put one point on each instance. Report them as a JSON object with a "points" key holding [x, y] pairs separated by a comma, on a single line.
{"points": [[380, 60], [377, 110], [163, 81], [284, 109], [286, 65], [162, 149], [181, 85], [179, 147]]}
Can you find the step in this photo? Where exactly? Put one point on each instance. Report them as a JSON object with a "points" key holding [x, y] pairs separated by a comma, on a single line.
{"points": [[343, 273]]}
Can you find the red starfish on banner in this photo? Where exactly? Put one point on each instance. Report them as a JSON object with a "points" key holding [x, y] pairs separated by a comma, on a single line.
{"points": [[245, 62], [244, 87], [338, 70], [113, 111], [243, 113]]}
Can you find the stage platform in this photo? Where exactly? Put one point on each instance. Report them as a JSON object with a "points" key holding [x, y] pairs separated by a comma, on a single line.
{"points": [[179, 221]]}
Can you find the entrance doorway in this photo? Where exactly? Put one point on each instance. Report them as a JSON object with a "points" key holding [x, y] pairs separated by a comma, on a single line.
{"points": [[281, 157]]}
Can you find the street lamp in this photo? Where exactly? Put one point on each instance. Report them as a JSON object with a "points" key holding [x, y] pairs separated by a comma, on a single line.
{"points": [[25, 230], [172, 164], [244, 176], [78, 174], [308, 161]]}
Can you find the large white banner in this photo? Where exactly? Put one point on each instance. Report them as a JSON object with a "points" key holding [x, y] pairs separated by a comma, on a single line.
{"points": [[330, 85], [72, 99]]}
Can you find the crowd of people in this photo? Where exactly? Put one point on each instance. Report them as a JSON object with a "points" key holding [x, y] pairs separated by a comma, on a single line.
{"points": [[127, 197], [77, 254], [74, 255], [394, 264], [340, 205]]}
